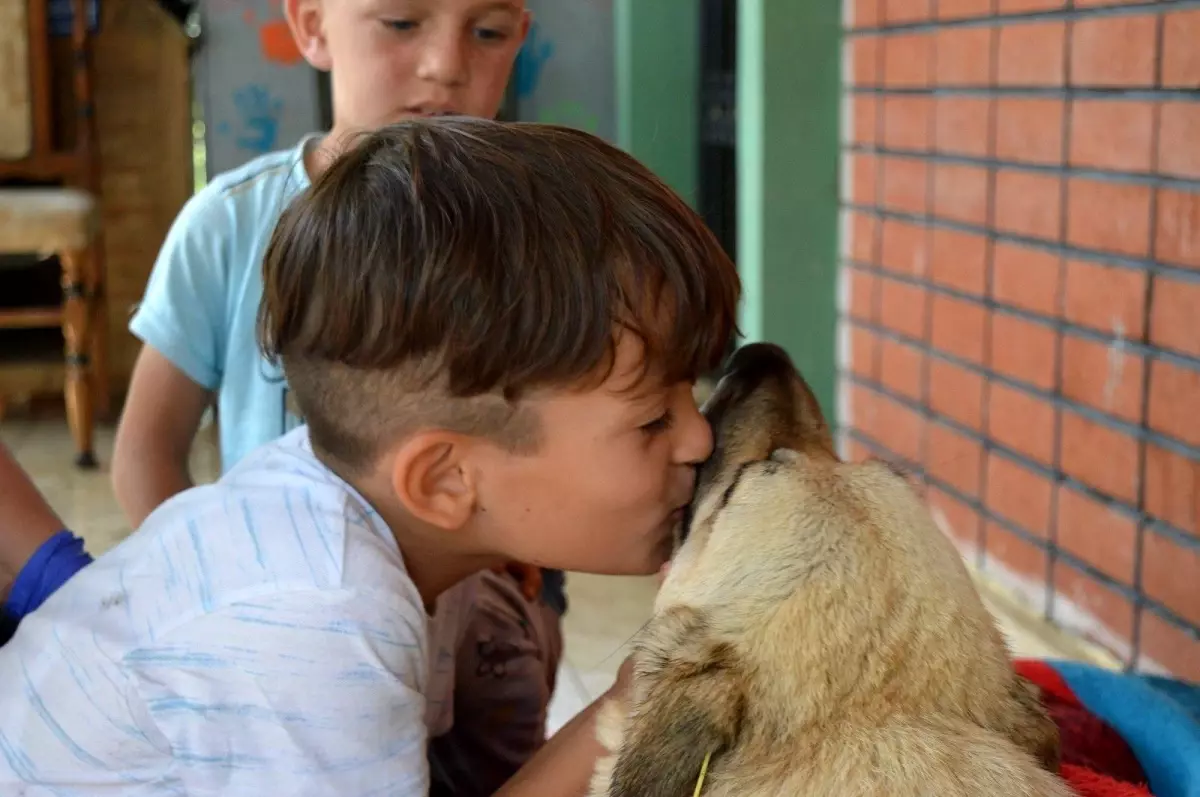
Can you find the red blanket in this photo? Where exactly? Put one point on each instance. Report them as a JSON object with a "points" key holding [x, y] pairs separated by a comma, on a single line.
{"points": [[1096, 761]]}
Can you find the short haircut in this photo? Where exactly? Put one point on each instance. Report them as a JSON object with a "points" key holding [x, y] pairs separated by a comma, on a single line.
{"points": [[440, 269]]}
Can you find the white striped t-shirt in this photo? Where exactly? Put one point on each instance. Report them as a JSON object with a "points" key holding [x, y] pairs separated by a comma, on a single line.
{"points": [[257, 636]]}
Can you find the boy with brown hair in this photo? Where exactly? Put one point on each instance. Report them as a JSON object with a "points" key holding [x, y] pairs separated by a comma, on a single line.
{"points": [[492, 331]]}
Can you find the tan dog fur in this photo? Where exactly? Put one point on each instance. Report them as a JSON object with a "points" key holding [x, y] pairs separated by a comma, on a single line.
{"points": [[817, 633]]}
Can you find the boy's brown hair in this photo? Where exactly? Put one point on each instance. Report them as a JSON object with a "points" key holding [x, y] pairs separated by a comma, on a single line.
{"points": [[441, 269]]}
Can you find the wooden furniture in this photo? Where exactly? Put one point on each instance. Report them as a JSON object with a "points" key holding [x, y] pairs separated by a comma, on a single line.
{"points": [[49, 200]]}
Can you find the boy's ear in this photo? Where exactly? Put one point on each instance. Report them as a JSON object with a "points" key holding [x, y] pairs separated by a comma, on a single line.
{"points": [[429, 478], [305, 18]]}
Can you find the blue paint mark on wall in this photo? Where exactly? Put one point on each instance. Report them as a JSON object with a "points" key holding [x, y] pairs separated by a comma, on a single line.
{"points": [[534, 54], [258, 114]]}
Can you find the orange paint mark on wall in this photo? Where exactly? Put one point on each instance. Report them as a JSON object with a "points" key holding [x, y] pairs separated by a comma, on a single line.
{"points": [[276, 43]]}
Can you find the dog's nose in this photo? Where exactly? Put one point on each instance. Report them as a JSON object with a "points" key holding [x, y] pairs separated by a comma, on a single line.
{"points": [[754, 361]]}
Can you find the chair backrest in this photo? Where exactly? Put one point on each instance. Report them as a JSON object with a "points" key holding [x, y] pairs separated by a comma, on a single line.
{"points": [[25, 102]]}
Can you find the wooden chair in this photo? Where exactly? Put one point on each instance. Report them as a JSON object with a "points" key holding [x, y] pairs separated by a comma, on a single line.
{"points": [[49, 199]]}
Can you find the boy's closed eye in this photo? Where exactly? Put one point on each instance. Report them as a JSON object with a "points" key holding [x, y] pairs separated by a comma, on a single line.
{"points": [[660, 424]]}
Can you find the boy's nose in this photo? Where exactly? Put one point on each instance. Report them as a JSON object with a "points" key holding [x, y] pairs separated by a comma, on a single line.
{"points": [[444, 59], [695, 440]]}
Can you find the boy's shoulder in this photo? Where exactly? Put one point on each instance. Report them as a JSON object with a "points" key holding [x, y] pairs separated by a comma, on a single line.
{"points": [[254, 191]]}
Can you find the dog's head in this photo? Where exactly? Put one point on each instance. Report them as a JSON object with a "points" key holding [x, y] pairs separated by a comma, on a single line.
{"points": [[774, 505]]}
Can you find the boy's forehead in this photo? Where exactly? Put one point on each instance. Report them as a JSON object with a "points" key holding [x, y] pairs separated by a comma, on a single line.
{"points": [[470, 6]]}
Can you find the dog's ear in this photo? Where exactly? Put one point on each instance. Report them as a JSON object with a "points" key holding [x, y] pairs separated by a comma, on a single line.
{"points": [[689, 706]]}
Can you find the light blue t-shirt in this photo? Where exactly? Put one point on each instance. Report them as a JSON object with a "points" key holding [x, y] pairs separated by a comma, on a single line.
{"points": [[257, 636], [200, 307]]}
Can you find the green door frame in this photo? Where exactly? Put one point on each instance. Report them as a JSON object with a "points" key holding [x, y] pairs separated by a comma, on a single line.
{"points": [[788, 134]]}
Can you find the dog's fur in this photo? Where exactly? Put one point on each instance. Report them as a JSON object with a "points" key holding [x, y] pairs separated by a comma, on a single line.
{"points": [[817, 634]]}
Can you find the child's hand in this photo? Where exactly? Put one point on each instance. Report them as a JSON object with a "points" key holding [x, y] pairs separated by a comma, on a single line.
{"points": [[528, 576]]}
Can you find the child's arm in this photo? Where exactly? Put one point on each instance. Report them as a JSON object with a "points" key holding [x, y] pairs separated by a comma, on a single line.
{"points": [[26, 520], [563, 767], [182, 322], [154, 440]]}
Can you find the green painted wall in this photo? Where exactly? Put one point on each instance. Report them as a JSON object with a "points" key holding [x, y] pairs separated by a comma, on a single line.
{"points": [[789, 63], [658, 86]]}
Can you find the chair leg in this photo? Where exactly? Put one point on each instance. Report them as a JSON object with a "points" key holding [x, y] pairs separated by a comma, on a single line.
{"points": [[77, 334], [98, 304]]}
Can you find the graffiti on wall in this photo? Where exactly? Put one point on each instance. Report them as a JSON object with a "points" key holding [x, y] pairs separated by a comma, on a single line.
{"points": [[531, 60], [258, 114]]}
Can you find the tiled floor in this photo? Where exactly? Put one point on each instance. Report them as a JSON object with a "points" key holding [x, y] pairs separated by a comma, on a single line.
{"points": [[605, 611]]}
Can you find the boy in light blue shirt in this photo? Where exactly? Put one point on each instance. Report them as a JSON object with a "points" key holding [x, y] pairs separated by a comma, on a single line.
{"points": [[388, 60]]}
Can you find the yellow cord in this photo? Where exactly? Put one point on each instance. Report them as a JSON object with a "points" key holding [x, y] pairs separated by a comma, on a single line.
{"points": [[703, 772]]}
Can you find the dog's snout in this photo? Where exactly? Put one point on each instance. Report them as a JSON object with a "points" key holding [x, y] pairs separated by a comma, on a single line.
{"points": [[756, 361]]}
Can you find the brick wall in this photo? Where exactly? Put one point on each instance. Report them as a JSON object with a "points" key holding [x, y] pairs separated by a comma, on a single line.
{"points": [[1021, 295]]}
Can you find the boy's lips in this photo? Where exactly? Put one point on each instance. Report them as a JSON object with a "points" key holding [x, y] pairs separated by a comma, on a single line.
{"points": [[430, 111]]}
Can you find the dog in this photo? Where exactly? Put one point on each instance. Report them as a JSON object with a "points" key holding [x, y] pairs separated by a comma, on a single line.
{"points": [[816, 633]]}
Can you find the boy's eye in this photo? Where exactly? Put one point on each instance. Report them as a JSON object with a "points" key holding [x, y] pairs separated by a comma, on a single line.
{"points": [[659, 425], [491, 34], [400, 24]]}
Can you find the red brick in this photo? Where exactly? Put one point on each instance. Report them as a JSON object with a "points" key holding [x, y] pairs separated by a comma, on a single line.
{"points": [[898, 428], [954, 459], [856, 451], [1109, 217], [1179, 139], [1177, 236], [1021, 421], [1111, 608], [1026, 278], [1023, 350], [962, 126], [964, 523], [905, 247], [900, 368], [1107, 298], [1031, 54], [1181, 55], [1019, 494], [1029, 130], [1028, 204], [907, 122], [1103, 376], [863, 345], [962, 9], [1007, 551], [867, 13], [865, 53], [1028, 6], [1100, 457], [964, 56], [902, 308], [865, 125], [1096, 533], [960, 193], [958, 327], [1175, 319], [907, 60], [1169, 575], [900, 12], [1170, 647], [863, 285], [1107, 134], [956, 393], [862, 408], [863, 171], [1113, 51], [959, 260], [905, 185], [1173, 392], [863, 229], [1173, 488]]}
